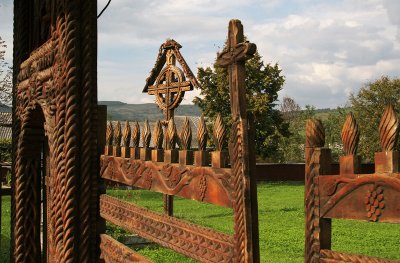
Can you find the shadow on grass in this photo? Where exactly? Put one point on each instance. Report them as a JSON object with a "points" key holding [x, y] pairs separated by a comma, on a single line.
{"points": [[5, 249]]}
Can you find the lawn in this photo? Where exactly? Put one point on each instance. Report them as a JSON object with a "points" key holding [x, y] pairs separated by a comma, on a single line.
{"points": [[281, 225]]}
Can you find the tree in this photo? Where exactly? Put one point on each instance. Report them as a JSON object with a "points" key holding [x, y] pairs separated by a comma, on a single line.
{"points": [[290, 109], [292, 146], [5, 76], [262, 85], [368, 105]]}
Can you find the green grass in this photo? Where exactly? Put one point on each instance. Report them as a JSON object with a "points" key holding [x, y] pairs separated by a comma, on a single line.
{"points": [[281, 219], [5, 229]]}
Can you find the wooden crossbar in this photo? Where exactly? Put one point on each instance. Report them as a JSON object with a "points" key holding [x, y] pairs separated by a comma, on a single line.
{"points": [[116, 252], [197, 242]]}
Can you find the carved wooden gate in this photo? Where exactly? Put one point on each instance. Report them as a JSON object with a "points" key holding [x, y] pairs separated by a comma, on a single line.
{"points": [[193, 178], [349, 195], [55, 131]]}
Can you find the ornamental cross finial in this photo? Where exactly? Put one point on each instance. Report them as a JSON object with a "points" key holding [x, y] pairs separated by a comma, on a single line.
{"points": [[234, 57]]}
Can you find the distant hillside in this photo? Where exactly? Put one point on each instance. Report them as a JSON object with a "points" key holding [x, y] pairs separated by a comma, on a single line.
{"points": [[117, 110]]}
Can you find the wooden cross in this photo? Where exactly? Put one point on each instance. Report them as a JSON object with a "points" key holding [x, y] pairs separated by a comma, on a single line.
{"points": [[169, 87], [234, 57]]}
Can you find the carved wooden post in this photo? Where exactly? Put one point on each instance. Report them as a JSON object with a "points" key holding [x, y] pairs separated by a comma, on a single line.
{"points": [[318, 161], [186, 154], [387, 161], [171, 154], [117, 140], [201, 155], [135, 136], [145, 151], [109, 139], [126, 139], [351, 163], [157, 154], [219, 157], [241, 153]]}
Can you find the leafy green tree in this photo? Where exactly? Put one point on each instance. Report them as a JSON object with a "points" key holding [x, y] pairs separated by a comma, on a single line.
{"points": [[292, 146], [5, 76], [262, 85], [333, 125], [368, 105]]}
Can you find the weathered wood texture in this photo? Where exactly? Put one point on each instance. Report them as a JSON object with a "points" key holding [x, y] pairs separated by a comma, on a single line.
{"points": [[349, 195], [222, 176], [55, 116]]}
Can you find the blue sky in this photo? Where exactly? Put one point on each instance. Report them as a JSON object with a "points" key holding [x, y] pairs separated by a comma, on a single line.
{"points": [[326, 49]]}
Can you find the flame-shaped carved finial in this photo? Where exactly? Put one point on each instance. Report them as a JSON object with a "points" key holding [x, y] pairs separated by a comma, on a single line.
{"points": [[109, 134], [350, 135], [389, 129], [315, 133], [171, 134], [117, 134], [186, 135], [202, 134], [158, 136], [126, 137], [146, 136], [135, 135], [219, 133]]}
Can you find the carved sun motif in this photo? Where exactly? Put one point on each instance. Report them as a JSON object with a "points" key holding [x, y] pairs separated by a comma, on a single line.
{"points": [[374, 203]]}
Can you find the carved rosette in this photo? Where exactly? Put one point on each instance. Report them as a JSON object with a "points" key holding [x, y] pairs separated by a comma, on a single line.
{"points": [[350, 135], [389, 129], [374, 203], [117, 134], [109, 134], [135, 136], [186, 135], [146, 136], [126, 135], [219, 133], [171, 134], [158, 136], [202, 134], [315, 133]]}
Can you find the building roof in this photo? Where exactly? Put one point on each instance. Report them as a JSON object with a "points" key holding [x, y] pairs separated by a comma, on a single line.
{"points": [[5, 125]]}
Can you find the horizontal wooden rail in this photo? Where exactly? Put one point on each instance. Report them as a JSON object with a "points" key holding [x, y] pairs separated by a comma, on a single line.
{"points": [[115, 252], [333, 256], [205, 184], [201, 243]]}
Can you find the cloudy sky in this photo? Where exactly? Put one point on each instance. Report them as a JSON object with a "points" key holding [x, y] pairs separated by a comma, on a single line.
{"points": [[326, 49]]}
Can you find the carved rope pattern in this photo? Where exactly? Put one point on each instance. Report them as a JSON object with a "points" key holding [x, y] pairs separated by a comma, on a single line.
{"points": [[315, 134], [200, 243], [88, 179], [109, 133], [389, 129], [202, 134], [171, 134], [146, 136], [312, 210], [343, 257], [186, 135], [236, 153], [350, 135], [219, 133], [158, 136], [135, 135], [117, 134], [126, 135]]}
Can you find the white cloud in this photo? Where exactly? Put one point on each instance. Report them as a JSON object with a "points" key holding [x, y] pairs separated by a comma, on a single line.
{"points": [[326, 49]]}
